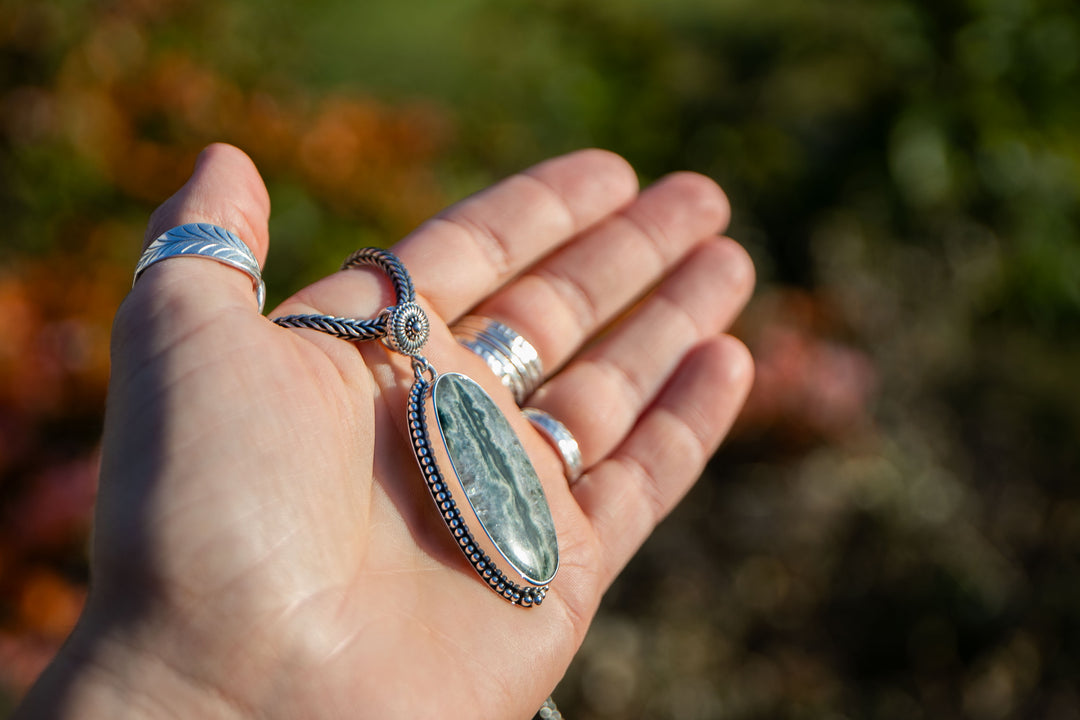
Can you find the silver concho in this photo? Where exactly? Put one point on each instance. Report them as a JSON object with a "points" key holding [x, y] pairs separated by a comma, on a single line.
{"points": [[407, 328], [486, 490]]}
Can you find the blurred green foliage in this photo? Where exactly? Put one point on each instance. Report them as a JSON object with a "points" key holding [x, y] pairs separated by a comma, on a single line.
{"points": [[893, 530]]}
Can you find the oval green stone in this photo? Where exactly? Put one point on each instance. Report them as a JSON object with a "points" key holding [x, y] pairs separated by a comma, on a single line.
{"points": [[499, 481]]}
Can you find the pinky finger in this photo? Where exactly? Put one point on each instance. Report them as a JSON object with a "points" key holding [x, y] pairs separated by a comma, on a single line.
{"points": [[626, 495]]}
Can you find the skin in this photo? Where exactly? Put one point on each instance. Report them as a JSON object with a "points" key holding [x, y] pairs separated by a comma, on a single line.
{"points": [[264, 545]]}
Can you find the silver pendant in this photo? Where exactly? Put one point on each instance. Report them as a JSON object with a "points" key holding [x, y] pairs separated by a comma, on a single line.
{"points": [[479, 475], [484, 486]]}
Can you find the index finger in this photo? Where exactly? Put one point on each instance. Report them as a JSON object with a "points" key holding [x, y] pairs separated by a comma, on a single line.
{"points": [[462, 255], [465, 253]]}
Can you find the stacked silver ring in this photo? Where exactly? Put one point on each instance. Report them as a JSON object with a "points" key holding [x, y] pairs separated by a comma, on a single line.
{"points": [[511, 357], [516, 363]]}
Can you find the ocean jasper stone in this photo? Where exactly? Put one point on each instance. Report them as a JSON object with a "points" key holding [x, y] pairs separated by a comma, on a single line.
{"points": [[499, 481]]}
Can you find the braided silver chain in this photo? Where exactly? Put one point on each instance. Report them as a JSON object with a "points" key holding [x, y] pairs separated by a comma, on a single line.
{"points": [[344, 328], [350, 328], [387, 262]]}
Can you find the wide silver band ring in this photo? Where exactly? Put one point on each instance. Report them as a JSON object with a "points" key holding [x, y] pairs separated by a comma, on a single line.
{"points": [[208, 241], [511, 357], [560, 438]]}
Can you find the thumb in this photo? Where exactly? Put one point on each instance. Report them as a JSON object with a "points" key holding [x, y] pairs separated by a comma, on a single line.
{"points": [[225, 189]]}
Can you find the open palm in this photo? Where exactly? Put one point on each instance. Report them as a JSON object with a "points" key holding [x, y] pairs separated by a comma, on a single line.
{"points": [[264, 544]]}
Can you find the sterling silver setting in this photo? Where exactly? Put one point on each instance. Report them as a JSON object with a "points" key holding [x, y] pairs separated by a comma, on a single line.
{"points": [[207, 241], [560, 438], [456, 511], [510, 356]]}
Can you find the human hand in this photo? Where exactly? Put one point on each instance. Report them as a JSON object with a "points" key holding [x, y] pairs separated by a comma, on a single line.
{"points": [[264, 544]]}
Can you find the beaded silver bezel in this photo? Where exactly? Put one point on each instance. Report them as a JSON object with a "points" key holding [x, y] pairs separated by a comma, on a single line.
{"points": [[481, 552]]}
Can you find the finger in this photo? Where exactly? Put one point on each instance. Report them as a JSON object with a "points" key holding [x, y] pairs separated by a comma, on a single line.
{"points": [[627, 495], [569, 296], [225, 189], [601, 395], [462, 255]]}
